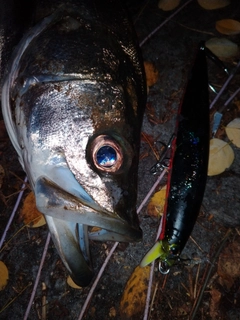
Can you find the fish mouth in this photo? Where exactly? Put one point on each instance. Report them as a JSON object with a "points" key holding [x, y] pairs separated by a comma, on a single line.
{"points": [[71, 238], [55, 202]]}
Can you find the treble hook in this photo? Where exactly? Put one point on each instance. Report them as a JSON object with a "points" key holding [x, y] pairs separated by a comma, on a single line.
{"points": [[163, 162], [163, 267]]}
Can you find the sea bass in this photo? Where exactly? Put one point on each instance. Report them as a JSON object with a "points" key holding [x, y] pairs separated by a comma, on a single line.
{"points": [[73, 100]]}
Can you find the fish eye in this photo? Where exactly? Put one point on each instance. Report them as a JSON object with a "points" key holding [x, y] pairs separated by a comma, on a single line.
{"points": [[106, 154]]}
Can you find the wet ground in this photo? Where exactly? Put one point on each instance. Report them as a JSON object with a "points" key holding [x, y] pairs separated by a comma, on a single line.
{"points": [[172, 50]]}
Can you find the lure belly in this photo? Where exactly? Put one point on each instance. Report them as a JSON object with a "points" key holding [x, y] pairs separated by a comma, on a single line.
{"points": [[188, 168]]}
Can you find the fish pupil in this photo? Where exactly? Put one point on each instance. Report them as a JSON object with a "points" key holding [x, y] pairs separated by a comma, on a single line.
{"points": [[106, 156]]}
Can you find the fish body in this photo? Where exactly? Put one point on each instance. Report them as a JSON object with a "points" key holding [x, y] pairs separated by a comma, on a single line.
{"points": [[188, 167], [73, 102]]}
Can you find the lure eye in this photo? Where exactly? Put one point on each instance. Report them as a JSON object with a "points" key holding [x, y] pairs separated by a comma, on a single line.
{"points": [[106, 154]]}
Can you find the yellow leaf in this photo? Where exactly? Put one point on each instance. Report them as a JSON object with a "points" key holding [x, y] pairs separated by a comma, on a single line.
{"points": [[228, 26], [233, 131], [134, 296], [3, 275], [221, 156], [167, 5], [222, 47], [30, 214], [72, 284], [213, 4], [156, 204], [151, 73]]}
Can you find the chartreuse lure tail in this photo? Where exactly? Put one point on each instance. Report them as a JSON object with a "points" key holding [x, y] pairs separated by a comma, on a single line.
{"points": [[155, 252], [162, 250]]}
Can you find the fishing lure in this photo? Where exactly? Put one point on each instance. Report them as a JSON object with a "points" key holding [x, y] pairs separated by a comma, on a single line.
{"points": [[187, 169]]}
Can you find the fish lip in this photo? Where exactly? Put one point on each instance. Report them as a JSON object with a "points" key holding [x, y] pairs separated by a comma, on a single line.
{"points": [[54, 201]]}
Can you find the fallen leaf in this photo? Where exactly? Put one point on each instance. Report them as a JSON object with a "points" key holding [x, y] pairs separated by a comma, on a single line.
{"points": [[221, 156], [134, 296], [183, 310], [167, 5], [228, 26], [156, 204], [233, 131], [214, 303], [112, 312], [222, 47], [72, 284], [3, 275], [95, 229], [213, 4], [30, 214], [151, 73], [228, 263]]}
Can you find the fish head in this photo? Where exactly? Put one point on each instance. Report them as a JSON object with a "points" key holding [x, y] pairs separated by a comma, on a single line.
{"points": [[82, 140]]}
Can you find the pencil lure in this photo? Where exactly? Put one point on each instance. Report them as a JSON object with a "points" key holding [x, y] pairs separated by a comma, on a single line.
{"points": [[187, 169]]}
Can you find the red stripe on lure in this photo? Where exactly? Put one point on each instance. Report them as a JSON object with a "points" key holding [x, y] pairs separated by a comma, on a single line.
{"points": [[188, 167]]}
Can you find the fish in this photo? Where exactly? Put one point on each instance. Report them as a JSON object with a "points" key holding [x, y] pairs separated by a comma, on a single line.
{"points": [[187, 169], [73, 100]]}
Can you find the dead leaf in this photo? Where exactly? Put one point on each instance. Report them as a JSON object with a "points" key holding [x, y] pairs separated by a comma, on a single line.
{"points": [[151, 73], [214, 303], [222, 47], [228, 26], [156, 204], [30, 214], [183, 310], [167, 5], [221, 157], [213, 4], [134, 296], [72, 284], [3, 275], [95, 229], [112, 312], [228, 263], [233, 131]]}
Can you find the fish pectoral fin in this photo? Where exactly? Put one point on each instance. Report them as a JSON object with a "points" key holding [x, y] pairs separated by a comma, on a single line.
{"points": [[73, 248], [155, 252], [58, 203]]}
